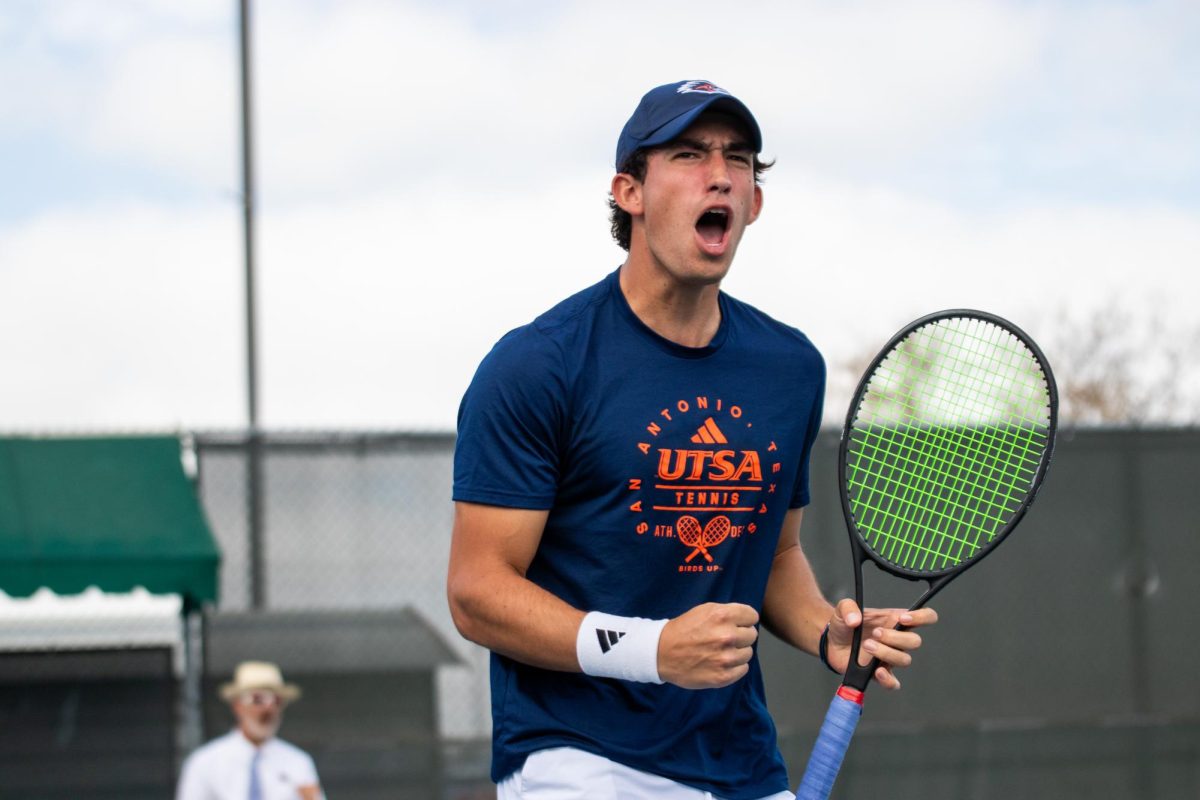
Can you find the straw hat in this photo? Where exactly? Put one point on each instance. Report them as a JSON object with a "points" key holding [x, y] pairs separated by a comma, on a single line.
{"points": [[251, 675]]}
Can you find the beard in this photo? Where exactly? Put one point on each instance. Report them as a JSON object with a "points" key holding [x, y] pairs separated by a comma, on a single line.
{"points": [[259, 730]]}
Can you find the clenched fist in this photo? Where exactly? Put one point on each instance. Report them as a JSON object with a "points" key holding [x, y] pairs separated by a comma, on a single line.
{"points": [[708, 646]]}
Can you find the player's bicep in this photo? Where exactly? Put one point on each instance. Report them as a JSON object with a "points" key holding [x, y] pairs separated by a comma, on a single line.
{"points": [[789, 533], [492, 602], [785, 548], [793, 607], [493, 537], [490, 547]]}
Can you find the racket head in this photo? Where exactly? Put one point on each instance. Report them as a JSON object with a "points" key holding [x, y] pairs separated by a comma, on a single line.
{"points": [[946, 443], [716, 531], [688, 531]]}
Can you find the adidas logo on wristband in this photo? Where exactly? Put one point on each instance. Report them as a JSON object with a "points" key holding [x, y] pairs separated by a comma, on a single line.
{"points": [[608, 639]]}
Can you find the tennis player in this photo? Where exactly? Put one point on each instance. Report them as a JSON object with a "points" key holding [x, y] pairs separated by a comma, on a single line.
{"points": [[630, 477]]}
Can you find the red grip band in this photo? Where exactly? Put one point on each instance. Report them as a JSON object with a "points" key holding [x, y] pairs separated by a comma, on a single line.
{"points": [[853, 695]]}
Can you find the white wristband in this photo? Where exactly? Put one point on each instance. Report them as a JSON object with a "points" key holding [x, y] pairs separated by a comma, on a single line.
{"points": [[609, 646]]}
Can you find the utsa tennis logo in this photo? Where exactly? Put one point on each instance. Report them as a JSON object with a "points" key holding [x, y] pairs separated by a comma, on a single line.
{"points": [[707, 478]]}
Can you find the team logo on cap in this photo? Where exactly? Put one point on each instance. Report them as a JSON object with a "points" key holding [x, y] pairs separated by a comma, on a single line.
{"points": [[701, 87]]}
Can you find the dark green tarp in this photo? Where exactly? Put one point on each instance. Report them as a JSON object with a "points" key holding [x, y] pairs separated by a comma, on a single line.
{"points": [[115, 513]]}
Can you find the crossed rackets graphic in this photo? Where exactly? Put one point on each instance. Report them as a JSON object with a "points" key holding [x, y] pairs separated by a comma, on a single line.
{"points": [[691, 534]]}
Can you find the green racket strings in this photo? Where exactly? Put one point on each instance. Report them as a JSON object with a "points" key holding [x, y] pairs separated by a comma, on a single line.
{"points": [[946, 443]]}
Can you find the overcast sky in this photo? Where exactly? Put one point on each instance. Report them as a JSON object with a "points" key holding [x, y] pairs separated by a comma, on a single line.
{"points": [[433, 174]]}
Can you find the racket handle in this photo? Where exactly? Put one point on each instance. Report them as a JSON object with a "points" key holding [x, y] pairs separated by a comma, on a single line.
{"points": [[832, 743]]}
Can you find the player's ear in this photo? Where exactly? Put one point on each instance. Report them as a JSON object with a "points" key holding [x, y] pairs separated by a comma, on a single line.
{"points": [[627, 193], [756, 208]]}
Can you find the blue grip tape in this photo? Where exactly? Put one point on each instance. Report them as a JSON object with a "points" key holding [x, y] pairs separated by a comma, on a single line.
{"points": [[830, 749]]}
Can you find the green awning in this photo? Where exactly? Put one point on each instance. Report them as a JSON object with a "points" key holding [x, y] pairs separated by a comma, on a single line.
{"points": [[114, 513]]}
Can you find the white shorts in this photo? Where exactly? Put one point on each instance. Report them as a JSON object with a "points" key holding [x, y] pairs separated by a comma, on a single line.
{"points": [[564, 773]]}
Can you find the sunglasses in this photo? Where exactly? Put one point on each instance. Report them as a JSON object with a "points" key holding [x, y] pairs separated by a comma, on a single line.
{"points": [[260, 698]]}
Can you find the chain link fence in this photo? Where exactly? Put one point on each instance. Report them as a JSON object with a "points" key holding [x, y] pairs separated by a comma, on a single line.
{"points": [[350, 528], [349, 522]]}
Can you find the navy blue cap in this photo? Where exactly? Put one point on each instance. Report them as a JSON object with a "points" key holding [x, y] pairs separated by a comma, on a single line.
{"points": [[666, 112]]}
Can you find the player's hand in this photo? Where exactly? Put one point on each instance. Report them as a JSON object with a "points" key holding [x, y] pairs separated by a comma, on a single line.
{"points": [[709, 646], [880, 639]]}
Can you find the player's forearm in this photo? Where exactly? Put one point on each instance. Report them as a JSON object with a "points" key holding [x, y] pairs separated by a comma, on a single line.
{"points": [[794, 609], [508, 614]]}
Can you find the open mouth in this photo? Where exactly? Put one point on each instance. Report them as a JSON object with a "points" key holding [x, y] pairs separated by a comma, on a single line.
{"points": [[712, 225]]}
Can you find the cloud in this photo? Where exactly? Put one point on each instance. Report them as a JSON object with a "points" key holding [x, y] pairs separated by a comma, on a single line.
{"points": [[375, 314], [122, 318], [366, 96], [392, 302], [170, 103], [384, 93], [434, 174], [860, 263]]}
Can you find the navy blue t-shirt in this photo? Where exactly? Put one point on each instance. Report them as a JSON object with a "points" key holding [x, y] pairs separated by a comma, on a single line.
{"points": [[667, 471]]}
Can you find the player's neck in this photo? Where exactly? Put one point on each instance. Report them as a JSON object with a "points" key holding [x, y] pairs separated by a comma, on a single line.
{"points": [[687, 314]]}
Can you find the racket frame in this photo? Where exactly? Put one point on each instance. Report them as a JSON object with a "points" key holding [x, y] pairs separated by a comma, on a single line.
{"points": [[857, 676]]}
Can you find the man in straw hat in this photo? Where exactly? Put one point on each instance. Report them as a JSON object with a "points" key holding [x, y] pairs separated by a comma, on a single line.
{"points": [[250, 762]]}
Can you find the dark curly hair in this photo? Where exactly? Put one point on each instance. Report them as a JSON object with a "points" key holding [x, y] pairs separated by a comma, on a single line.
{"points": [[620, 220]]}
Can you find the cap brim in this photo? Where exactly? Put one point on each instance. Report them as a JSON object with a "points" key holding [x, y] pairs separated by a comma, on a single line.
{"points": [[288, 692], [676, 127]]}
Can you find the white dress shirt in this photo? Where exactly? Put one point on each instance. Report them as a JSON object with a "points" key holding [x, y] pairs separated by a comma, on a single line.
{"points": [[220, 770]]}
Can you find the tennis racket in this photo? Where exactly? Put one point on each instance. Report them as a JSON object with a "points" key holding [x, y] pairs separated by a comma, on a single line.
{"points": [[946, 442], [691, 534]]}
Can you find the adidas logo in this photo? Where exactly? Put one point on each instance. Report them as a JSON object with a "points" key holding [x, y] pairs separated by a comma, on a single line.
{"points": [[709, 433], [608, 639]]}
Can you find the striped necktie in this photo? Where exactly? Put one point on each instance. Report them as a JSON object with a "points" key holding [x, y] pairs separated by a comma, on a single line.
{"points": [[255, 789]]}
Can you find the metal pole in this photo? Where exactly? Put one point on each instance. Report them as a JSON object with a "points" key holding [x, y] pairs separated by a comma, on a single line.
{"points": [[190, 724], [254, 460], [191, 729]]}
